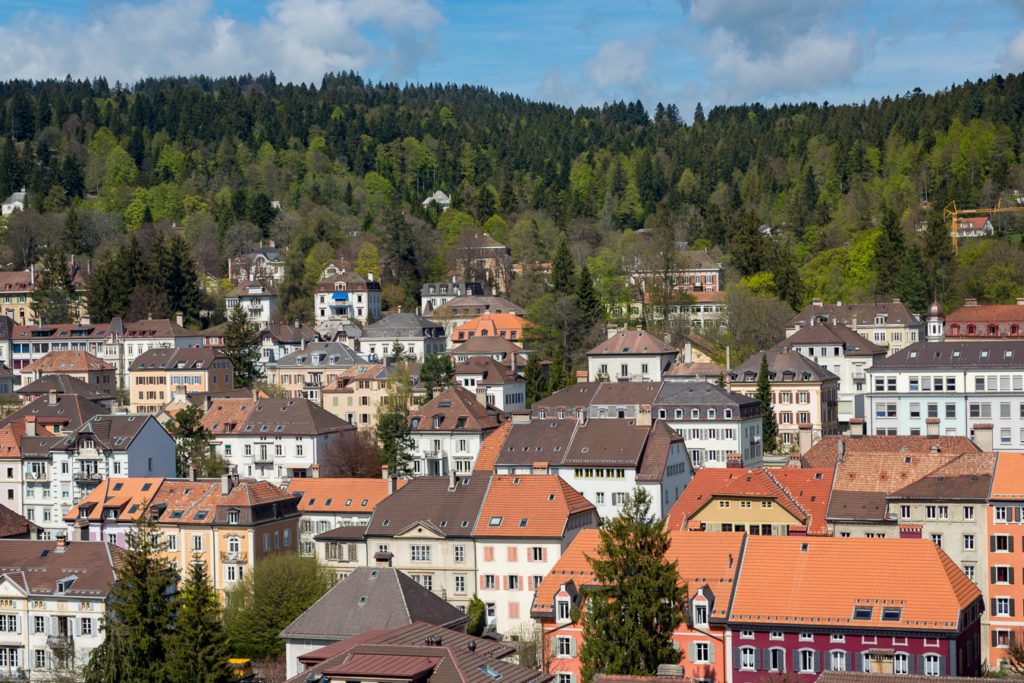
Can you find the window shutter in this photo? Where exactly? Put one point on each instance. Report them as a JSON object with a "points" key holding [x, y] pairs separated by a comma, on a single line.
{"points": [[78, 626], [757, 658], [711, 653], [691, 650], [544, 554], [942, 665], [920, 664], [796, 660], [993, 638], [353, 553], [846, 661], [1009, 540], [993, 606], [481, 582], [992, 543], [504, 582], [817, 661], [1011, 574], [1012, 609], [993, 574], [531, 584], [736, 658], [54, 628], [17, 625], [572, 647]]}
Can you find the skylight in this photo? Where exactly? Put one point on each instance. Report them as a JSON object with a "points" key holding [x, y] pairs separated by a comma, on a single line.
{"points": [[494, 521], [861, 612], [891, 613]]}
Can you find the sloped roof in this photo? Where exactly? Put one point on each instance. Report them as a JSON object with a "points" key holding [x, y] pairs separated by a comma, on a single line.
{"points": [[402, 325], [783, 366], [539, 441], [340, 494], [633, 343], [64, 384], [457, 410], [67, 361], [10, 439], [819, 580], [705, 369], [896, 313], [288, 334], [486, 345], [491, 325], [270, 417], [966, 477], [825, 452], [452, 511], [701, 394], [37, 566], [864, 480], [16, 281], [493, 372], [321, 355], [491, 448], [1006, 483], [13, 525], [832, 333], [606, 443], [187, 358], [574, 396], [113, 432], [534, 506], [368, 599], [474, 304], [955, 354], [986, 313], [68, 410], [159, 328]]}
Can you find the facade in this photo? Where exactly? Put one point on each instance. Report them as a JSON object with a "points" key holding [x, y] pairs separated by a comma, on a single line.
{"points": [[448, 430], [330, 503], [258, 299], [714, 421], [889, 324], [304, 373], [80, 365], [265, 263], [360, 393], [347, 297], [25, 344], [525, 525], [434, 295], [480, 257], [630, 356], [1004, 517], [974, 227], [805, 396], [417, 337], [53, 598], [279, 339], [951, 388], [504, 388], [973, 321], [505, 325], [15, 202], [159, 376], [461, 310], [505, 352]]}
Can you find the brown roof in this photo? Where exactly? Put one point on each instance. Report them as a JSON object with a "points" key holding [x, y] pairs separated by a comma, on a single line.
{"points": [[783, 366], [80, 332], [896, 313], [825, 452], [450, 510], [574, 396], [486, 345], [966, 477], [68, 410], [832, 333], [539, 441], [64, 384], [986, 355], [188, 358], [157, 329], [494, 373], [67, 361], [632, 342], [13, 525], [16, 281], [270, 416], [681, 369], [37, 566], [628, 393], [535, 506], [987, 313], [455, 409], [288, 334]]}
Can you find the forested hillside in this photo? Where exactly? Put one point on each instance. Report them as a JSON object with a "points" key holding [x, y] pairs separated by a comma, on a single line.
{"points": [[845, 188]]}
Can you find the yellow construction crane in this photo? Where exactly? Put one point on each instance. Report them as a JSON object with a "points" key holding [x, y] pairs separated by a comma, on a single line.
{"points": [[952, 213]]}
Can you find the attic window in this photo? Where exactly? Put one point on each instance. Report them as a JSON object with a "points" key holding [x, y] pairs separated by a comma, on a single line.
{"points": [[386, 522], [118, 441], [494, 521], [913, 354], [465, 523], [264, 428], [133, 509], [861, 612], [956, 354], [363, 502], [279, 428], [348, 502], [551, 497], [248, 428], [804, 547], [523, 522], [362, 599], [118, 486], [177, 514], [443, 524], [490, 671], [444, 404], [147, 486], [312, 501], [201, 515], [515, 481], [818, 475], [891, 613], [329, 501], [585, 449]]}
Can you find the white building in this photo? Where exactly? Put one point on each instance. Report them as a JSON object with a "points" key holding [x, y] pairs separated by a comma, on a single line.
{"points": [[347, 297], [504, 388], [334, 502], [889, 324], [265, 263], [277, 340], [53, 597], [434, 295], [257, 299], [447, 432], [417, 336], [15, 202], [439, 198], [630, 356]]}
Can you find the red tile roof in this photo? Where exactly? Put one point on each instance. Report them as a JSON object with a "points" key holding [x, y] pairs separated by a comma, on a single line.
{"points": [[1009, 476], [632, 342], [533, 506], [490, 449], [340, 494], [987, 313], [67, 361], [825, 453]]}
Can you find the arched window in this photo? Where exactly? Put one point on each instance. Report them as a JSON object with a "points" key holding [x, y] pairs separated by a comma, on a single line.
{"points": [[971, 329], [901, 663], [234, 544]]}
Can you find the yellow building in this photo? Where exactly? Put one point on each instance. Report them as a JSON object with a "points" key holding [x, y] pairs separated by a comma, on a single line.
{"points": [[358, 393], [160, 376]]}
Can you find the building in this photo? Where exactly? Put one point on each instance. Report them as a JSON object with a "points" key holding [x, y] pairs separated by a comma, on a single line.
{"points": [[439, 198], [80, 365], [124, 342], [264, 263], [65, 384], [503, 387], [461, 310], [16, 290], [761, 502], [59, 470], [279, 339], [695, 363], [228, 523], [414, 335], [448, 430], [257, 298], [502, 350], [890, 325], [55, 596], [13, 525], [525, 525], [12, 474], [24, 344], [828, 451], [158, 376], [420, 652], [481, 258], [275, 438], [979, 226], [304, 373], [630, 356], [362, 391], [805, 396], [347, 296], [434, 295], [15, 202], [848, 355], [330, 503], [974, 321], [951, 388], [367, 600], [427, 527], [1005, 593], [505, 325]]}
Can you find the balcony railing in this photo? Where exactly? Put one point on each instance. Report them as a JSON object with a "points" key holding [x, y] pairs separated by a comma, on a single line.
{"points": [[37, 476], [233, 558], [263, 459], [59, 642], [435, 454], [87, 477]]}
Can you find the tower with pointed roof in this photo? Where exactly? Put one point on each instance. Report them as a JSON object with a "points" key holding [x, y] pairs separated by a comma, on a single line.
{"points": [[936, 323]]}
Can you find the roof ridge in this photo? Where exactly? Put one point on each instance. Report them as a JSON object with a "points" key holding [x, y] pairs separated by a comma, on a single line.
{"points": [[786, 492]]}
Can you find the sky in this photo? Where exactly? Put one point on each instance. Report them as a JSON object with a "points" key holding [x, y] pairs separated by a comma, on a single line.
{"points": [[572, 52]]}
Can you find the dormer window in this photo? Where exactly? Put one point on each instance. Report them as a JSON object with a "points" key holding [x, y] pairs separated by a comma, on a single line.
{"points": [[700, 614], [232, 516], [563, 610]]}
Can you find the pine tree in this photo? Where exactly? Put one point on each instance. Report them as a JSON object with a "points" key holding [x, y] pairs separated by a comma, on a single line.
{"points": [[437, 371], [889, 254], [586, 297], [295, 301], [698, 115], [242, 347], [72, 235], [54, 298], [563, 270], [763, 394], [557, 372], [180, 280], [533, 375], [141, 611], [631, 614], [396, 443], [939, 257], [198, 649]]}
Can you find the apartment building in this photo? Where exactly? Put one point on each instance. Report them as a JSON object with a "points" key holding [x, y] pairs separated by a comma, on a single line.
{"points": [[258, 300], [359, 393], [162, 375], [989, 321], [81, 365], [416, 336], [333, 502], [434, 295], [889, 324], [347, 297], [503, 387], [448, 430], [305, 373], [1004, 517], [630, 356]]}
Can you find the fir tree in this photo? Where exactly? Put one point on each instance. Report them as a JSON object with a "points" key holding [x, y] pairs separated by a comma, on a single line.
{"points": [[198, 649], [54, 298], [720, 382], [632, 612], [140, 617], [477, 613], [294, 299], [193, 443], [533, 375], [563, 270], [889, 254], [586, 297], [558, 374], [180, 280], [939, 257], [72, 235], [437, 371], [242, 347], [763, 394], [396, 443], [698, 115]]}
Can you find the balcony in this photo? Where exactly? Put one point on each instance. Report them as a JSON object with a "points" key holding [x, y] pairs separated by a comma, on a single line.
{"points": [[37, 476], [234, 558], [263, 459], [435, 455], [87, 477], [60, 642]]}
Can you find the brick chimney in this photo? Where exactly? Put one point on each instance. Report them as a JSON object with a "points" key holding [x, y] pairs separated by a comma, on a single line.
{"points": [[643, 416], [30, 425], [314, 471]]}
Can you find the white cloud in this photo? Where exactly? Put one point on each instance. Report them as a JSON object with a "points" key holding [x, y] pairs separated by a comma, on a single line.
{"points": [[299, 40], [618, 63], [1013, 58]]}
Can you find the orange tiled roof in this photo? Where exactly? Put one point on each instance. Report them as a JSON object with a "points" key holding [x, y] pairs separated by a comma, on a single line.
{"points": [[491, 447], [825, 452], [796, 580], [1007, 483], [130, 495], [987, 313], [508, 325], [709, 559], [340, 494], [533, 506], [67, 361], [10, 439]]}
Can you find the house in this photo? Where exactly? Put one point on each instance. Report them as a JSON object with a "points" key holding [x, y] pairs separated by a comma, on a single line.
{"points": [[158, 376], [950, 388], [889, 324], [228, 523], [448, 430], [359, 393], [13, 525], [414, 335], [703, 310], [630, 356], [974, 321], [439, 198], [848, 355], [257, 298], [61, 384], [332, 502], [6, 380], [304, 373], [416, 653], [16, 290], [59, 470], [481, 258], [264, 263], [370, 599], [780, 502], [275, 438], [12, 474], [279, 339], [979, 226], [15, 202], [502, 350], [1003, 520], [461, 310], [427, 527], [55, 597], [434, 295], [506, 325], [695, 363], [525, 525], [80, 365], [347, 296], [805, 396], [504, 388], [127, 341]]}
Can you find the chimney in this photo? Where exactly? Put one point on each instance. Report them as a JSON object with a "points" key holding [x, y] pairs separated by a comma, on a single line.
{"points": [[392, 485], [255, 394], [314, 471], [612, 330], [804, 438], [383, 559], [369, 277], [207, 402], [983, 437], [539, 467], [734, 460], [62, 542], [191, 473], [728, 359], [643, 416], [85, 319], [226, 483], [970, 302], [52, 398], [514, 364], [794, 462], [453, 481], [932, 427], [1020, 300], [481, 396], [856, 427], [840, 450], [30, 425], [521, 417], [816, 302], [688, 353], [384, 471], [179, 318]]}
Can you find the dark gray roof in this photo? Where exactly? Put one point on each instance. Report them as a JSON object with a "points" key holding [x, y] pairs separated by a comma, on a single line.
{"points": [[369, 599], [577, 395], [701, 394], [955, 355], [539, 441], [452, 511], [784, 366], [112, 432], [896, 313], [288, 334], [65, 384], [607, 443], [69, 410], [832, 333], [187, 358], [402, 325], [321, 355]]}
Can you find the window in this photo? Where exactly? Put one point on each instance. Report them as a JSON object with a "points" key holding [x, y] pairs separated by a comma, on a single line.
{"points": [[563, 611], [1002, 574], [701, 653], [904, 512], [234, 545], [38, 624], [197, 543], [747, 658], [968, 541], [968, 512], [836, 638], [747, 635], [931, 665], [513, 583], [232, 516], [969, 571], [460, 584], [1003, 607], [807, 637], [420, 553], [838, 662], [700, 615], [1001, 513], [40, 659], [1001, 543], [776, 659], [901, 663], [806, 661], [776, 635], [565, 646], [460, 553], [489, 581], [892, 613], [862, 613]]}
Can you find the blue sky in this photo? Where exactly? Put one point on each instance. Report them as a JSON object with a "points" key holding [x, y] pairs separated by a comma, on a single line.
{"points": [[575, 53]]}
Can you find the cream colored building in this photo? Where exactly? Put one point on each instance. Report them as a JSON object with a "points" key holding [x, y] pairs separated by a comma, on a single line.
{"points": [[160, 376], [889, 324]]}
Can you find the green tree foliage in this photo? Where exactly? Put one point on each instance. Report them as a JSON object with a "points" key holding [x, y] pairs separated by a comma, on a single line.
{"points": [[295, 297], [197, 651], [536, 384], [763, 394], [587, 299], [437, 371], [396, 443], [72, 235], [194, 441], [278, 589], [54, 298], [563, 270], [140, 615], [477, 613], [632, 612], [242, 347]]}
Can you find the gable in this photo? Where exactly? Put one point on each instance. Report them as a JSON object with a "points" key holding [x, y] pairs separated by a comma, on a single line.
{"points": [[10, 588], [712, 511], [420, 530]]}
